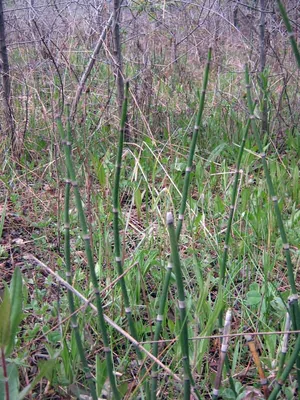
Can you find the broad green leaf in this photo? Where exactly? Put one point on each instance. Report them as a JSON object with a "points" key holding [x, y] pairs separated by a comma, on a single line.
{"points": [[101, 174], [101, 374], [228, 394], [138, 200], [16, 300], [3, 218], [295, 184], [123, 388], [13, 382], [214, 154], [254, 286], [67, 362], [46, 369], [5, 311], [253, 298]]}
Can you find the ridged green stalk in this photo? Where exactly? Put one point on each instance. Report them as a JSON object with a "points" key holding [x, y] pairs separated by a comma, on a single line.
{"points": [[284, 346], [232, 209], [290, 31], [184, 339], [188, 169], [163, 297], [227, 237], [286, 371], [117, 242], [273, 196], [90, 259], [223, 354], [293, 303], [74, 323]]}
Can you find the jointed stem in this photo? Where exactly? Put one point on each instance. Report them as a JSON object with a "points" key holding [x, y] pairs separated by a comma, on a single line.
{"points": [[74, 323], [227, 239], [90, 259], [293, 304], [117, 242], [188, 379], [163, 297]]}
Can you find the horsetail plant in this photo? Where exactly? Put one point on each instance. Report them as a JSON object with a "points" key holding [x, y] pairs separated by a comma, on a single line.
{"points": [[284, 346], [188, 169], [286, 371], [74, 323], [293, 299], [223, 354], [163, 297], [232, 210], [227, 237], [273, 196], [290, 31], [117, 242], [188, 379], [86, 238]]}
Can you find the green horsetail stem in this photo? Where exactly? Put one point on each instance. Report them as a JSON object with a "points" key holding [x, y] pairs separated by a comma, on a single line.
{"points": [[280, 382], [163, 296], [184, 339], [223, 354], [232, 209], [74, 323], [117, 242], [294, 305], [227, 237], [284, 345], [293, 300], [189, 166], [86, 238], [272, 193], [290, 31]]}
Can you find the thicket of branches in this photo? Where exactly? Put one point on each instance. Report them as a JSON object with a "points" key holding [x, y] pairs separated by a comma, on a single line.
{"points": [[52, 41]]}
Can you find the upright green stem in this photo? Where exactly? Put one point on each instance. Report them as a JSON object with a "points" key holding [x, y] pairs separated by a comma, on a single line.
{"points": [[117, 242], [163, 297], [188, 169], [290, 31], [273, 196], [74, 323], [227, 236], [284, 346], [90, 259], [232, 208], [188, 379], [293, 304], [286, 371], [223, 354]]}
